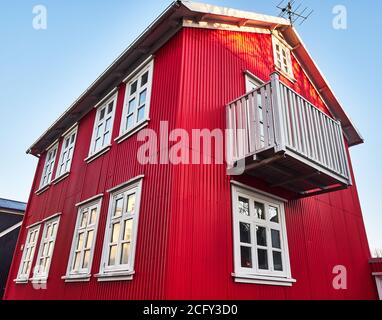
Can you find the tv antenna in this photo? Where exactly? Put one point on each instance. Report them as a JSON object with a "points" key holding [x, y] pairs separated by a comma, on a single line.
{"points": [[293, 14]]}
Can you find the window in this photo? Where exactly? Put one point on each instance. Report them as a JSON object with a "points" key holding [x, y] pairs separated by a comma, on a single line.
{"points": [[137, 99], [261, 248], [103, 126], [49, 166], [28, 254], [45, 253], [66, 153], [282, 56], [121, 232], [252, 82], [83, 243]]}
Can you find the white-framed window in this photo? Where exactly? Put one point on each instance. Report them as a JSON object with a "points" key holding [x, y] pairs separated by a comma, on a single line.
{"points": [[103, 125], [137, 99], [282, 56], [28, 254], [260, 239], [252, 82], [81, 254], [45, 253], [121, 231], [67, 152], [47, 172]]}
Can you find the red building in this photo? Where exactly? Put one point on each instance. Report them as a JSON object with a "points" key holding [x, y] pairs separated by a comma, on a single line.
{"points": [[279, 219]]}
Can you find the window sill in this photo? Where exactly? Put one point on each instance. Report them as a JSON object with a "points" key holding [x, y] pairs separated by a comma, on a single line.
{"points": [[60, 178], [42, 190], [286, 75], [77, 278], [132, 131], [20, 281], [41, 280], [115, 276], [98, 154], [272, 281]]}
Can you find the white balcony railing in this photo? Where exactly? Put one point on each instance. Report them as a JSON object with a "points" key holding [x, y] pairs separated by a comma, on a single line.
{"points": [[274, 116]]}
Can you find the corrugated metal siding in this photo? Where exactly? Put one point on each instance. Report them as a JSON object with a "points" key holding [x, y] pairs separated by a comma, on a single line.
{"points": [[185, 247]]}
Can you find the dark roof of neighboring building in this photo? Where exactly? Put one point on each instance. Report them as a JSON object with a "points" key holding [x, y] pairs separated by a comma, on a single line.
{"points": [[158, 33], [12, 205]]}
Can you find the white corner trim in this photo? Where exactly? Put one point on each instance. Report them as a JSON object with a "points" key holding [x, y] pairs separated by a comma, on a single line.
{"points": [[98, 154], [127, 183], [132, 131], [272, 281], [9, 230], [94, 198], [266, 194]]}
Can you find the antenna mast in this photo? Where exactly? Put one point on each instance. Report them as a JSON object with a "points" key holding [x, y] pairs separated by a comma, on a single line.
{"points": [[293, 14]]}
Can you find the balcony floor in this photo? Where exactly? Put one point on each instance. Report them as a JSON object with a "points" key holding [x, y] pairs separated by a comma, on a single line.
{"points": [[296, 174]]}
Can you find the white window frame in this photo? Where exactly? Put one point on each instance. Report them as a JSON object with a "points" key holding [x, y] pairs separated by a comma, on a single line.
{"points": [[126, 271], [97, 122], [67, 153], [252, 82], [84, 273], [283, 63], [136, 77], [29, 249], [255, 274], [49, 241], [48, 170]]}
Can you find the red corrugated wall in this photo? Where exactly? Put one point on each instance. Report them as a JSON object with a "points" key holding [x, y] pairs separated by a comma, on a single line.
{"points": [[184, 248]]}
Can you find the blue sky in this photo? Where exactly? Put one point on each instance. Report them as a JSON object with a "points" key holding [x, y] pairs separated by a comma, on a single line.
{"points": [[43, 72]]}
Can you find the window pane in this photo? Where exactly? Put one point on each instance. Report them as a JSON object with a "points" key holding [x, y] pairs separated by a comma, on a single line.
{"points": [[133, 87], [112, 254], [93, 216], [130, 121], [244, 206], [245, 232], [102, 114], [76, 263], [273, 214], [80, 241], [118, 207], [110, 107], [131, 203], [262, 256], [84, 219], [115, 233], [132, 105], [125, 253], [85, 264], [89, 239], [142, 97], [277, 261], [246, 257], [276, 243], [259, 210], [128, 230], [261, 234], [141, 113], [145, 78]]}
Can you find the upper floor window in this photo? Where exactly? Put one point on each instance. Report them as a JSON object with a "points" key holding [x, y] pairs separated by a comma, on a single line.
{"points": [[121, 232], [260, 240], [83, 243], [282, 56], [49, 166], [28, 254], [67, 152], [103, 126], [45, 253], [137, 99]]}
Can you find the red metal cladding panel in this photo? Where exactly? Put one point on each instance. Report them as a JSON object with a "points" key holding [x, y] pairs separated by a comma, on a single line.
{"points": [[86, 180], [185, 238], [323, 231]]}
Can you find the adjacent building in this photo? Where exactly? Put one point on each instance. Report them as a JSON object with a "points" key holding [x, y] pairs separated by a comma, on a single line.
{"points": [[126, 205]]}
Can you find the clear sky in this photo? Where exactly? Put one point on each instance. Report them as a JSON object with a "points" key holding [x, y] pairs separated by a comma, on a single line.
{"points": [[43, 71]]}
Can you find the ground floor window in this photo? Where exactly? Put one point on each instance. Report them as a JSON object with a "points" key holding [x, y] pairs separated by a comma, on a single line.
{"points": [[260, 239]]}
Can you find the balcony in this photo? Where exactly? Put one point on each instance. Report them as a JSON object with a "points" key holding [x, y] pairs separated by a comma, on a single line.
{"points": [[280, 137]]}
